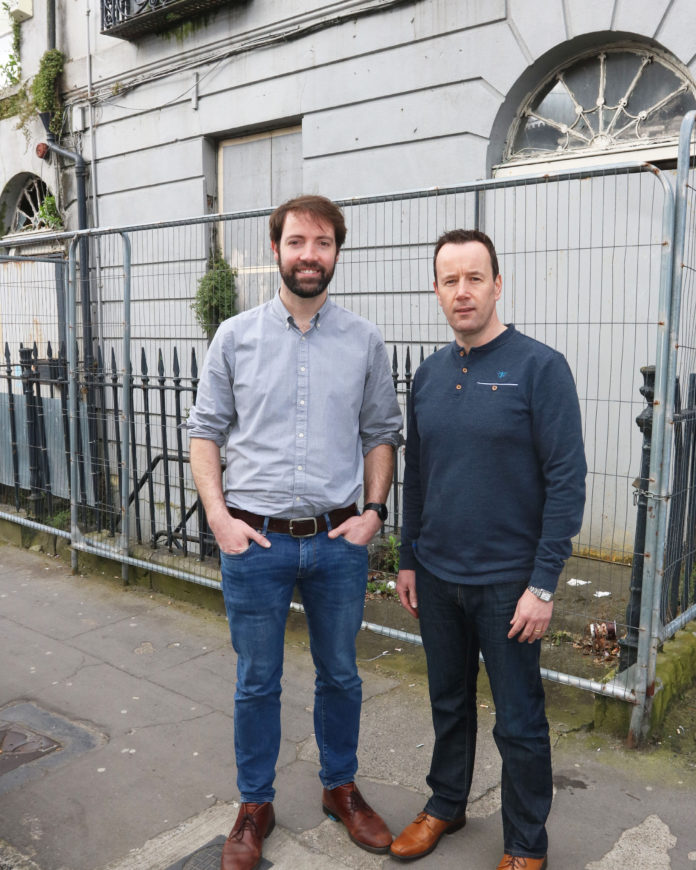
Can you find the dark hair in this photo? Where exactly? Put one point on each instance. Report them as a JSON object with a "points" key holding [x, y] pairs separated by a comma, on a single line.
{"points": [[319, 208], [461, 237]]}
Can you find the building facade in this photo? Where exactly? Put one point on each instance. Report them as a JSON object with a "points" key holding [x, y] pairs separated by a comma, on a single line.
{"points": [[244, 102]]}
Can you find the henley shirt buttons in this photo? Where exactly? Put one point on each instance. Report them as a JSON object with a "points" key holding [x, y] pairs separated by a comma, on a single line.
{"points": [[461, 353], [459, 386], [494, 387], [465, 370]]}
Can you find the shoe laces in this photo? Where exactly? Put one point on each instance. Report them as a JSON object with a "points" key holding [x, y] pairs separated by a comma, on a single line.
{"points": [[515, 862], [248, 823]]}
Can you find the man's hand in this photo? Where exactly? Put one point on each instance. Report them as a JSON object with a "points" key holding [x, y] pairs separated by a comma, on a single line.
{"points": [[531, 619], [406, 587], [233, 536], [358, 530]]}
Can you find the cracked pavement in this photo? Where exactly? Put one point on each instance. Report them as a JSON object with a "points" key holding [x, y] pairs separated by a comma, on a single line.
{"points": [[138, 689]]}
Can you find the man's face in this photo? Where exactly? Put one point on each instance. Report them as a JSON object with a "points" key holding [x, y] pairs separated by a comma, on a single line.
{"points": [[306, 255], [467, 292]]}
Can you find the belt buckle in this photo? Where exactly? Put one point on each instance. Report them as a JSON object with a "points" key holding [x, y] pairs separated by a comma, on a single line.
{"points": [[303, 520]]}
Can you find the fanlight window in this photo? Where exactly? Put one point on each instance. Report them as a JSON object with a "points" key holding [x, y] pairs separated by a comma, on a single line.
{"points": [[618, 100], [31, 211]]}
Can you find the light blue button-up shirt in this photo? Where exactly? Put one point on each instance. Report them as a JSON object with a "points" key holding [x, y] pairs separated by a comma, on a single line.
{"points": [[297, 412]]}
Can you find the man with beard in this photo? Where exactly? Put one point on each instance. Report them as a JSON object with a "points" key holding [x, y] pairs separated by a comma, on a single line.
{"points": [[299, 392]]}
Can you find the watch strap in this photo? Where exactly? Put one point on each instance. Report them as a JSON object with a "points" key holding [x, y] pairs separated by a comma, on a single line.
{"points": [[380, 509]]}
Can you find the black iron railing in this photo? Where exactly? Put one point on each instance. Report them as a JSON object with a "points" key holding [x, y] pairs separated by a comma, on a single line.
{"points": [[131, 19], [165, 509]]}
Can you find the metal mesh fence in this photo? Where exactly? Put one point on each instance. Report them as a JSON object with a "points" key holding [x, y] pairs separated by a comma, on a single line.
{"points": [[582, 257], [678, 590]]}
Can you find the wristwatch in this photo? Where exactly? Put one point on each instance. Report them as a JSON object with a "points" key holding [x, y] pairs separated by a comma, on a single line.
{"points": [[542, 594], [380, 509]]}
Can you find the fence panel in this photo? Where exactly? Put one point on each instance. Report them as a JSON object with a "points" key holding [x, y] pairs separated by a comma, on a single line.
{"points": [[678, 589], [583, 260]]}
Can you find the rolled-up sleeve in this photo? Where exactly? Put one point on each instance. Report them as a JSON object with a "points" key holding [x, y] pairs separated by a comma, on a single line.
{"points": [[380, 415], [214, 411]]}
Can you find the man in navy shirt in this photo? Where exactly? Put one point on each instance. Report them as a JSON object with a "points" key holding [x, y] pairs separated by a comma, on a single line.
{"points": [[494, 490]]}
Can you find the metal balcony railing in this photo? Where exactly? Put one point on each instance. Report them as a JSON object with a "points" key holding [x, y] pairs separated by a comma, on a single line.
{"points": [[131, 19]]}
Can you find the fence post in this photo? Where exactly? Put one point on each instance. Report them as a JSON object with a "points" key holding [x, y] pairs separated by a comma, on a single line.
{"points": [[127, 417], [629, 643], [35, 495], [13, 426]]}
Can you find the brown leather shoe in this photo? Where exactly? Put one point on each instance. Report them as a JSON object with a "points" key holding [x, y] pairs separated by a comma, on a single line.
{"points": [[365, 828], [516, 862], [422, 835], [242, 850]]}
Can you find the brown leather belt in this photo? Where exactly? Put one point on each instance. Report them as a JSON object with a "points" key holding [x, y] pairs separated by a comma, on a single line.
{"points": [[301, 527]]}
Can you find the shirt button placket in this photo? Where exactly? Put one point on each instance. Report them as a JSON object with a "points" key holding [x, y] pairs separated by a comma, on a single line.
{"points": [[301, 415]]}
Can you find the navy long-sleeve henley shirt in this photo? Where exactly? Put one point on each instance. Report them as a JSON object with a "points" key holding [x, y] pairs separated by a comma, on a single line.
{"points": [[494, 486]]}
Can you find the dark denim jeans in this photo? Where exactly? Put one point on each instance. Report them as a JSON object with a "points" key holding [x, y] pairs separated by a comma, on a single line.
{"points": [[457, 621], [257, 587]]}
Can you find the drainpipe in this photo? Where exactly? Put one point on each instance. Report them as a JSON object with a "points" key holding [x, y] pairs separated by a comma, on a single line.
{"points": [[80, 175], [51, 23]]}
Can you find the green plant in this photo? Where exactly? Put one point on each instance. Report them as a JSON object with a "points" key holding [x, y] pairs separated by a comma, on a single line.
{"points": [[11, 70], [380, 588], [49, 215], [560, 637], [391, 556], [45, 87], [60, 519], [216, 296]]}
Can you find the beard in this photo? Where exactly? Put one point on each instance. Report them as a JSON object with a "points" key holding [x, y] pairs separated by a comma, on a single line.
{"points": [[303, 286]]}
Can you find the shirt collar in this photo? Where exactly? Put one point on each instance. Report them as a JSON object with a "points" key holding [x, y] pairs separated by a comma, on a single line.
{"points": [[280, 311], [482, 349]]}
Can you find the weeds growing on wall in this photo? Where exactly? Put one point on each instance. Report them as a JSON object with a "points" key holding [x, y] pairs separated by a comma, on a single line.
{"points": [[44, 88], [216, 296], [11, 70]]}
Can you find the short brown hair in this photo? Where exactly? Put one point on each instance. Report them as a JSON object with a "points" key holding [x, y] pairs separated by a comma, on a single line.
{"points": [[319, 208], [461, 237]]}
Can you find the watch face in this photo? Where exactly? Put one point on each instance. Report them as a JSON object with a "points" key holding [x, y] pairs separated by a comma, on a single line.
{"points": [[380, 510]]}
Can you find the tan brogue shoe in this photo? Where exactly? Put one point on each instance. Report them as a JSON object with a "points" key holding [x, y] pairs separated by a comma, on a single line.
{"points": [[242, 850], [422, 835], [365, 828], [517, 862]]}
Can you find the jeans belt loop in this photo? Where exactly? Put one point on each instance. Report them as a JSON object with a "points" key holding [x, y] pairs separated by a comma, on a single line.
{"points": [[303, 520]]}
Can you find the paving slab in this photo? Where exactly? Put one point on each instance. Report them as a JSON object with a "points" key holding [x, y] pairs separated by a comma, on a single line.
{"points": [[138, 691]]}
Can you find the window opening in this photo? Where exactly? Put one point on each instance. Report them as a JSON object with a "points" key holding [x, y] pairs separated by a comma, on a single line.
{"points": [[35, 208], [615, 100]]}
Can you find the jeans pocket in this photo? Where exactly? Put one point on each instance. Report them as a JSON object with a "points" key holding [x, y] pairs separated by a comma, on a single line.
{"points": [[358, 547], [224, 555]]}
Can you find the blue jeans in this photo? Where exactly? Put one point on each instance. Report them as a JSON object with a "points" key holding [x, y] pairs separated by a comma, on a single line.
{"points": [[456, 622], [257, 586]]}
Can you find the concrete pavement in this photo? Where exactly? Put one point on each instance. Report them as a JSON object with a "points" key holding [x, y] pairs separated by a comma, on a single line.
{"points": [[137, 690]]}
